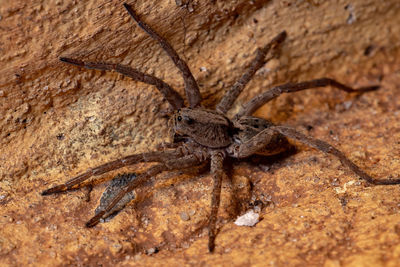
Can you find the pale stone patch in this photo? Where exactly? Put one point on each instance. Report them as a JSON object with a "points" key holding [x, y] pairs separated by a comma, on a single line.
{"points": [[250, 218]]}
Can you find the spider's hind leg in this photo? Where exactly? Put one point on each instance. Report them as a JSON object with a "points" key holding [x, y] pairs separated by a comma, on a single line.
{"points": [[261, 99], [327, 148], [256, 137]]}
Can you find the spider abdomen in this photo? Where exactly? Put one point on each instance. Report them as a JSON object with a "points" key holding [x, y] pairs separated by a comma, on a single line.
{"points": [[248, 138]]}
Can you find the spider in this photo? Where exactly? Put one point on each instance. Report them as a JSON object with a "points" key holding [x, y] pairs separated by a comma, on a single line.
{"points": [[202, 135]]}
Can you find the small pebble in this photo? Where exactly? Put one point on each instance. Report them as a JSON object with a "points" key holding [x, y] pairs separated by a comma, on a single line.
{"points": [[347, 104], [250, 218], [192, 212], [151, 251], [117, 247], [184, 216]]}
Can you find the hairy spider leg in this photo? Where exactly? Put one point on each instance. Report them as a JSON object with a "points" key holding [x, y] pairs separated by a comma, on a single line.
{"points": [[329, 149], [157, 156], [230, 96], [264, 138], [172, 96], [217, 159], [191, 87], [152, 171], [274, 92], [251, 146], [183, 162]]}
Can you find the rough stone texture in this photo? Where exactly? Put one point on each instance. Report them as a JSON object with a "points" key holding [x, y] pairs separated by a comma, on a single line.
{"points": [[58, 120]]}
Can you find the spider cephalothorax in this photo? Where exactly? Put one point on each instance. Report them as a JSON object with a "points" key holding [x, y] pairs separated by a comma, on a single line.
{"points": [[202, 135], [206, 127]]}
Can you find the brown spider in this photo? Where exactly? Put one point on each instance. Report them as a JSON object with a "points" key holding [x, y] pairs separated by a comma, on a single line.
{"points": [[202, 135]]}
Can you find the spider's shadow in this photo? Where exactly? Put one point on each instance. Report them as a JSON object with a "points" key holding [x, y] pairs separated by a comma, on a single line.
{"points": [[261, 162], [254, 163]]}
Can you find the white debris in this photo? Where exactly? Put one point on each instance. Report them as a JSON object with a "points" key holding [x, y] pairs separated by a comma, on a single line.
{"points": [[343, 190], [250, 218]]}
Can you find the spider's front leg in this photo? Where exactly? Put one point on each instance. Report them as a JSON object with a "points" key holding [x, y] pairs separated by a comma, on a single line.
{"points": [[174, 164], [172, 96], [191, 87], [157, 156], [217, 159]]}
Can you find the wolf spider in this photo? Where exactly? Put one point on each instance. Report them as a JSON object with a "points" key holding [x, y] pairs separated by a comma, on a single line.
{"points": [[203, 135]]}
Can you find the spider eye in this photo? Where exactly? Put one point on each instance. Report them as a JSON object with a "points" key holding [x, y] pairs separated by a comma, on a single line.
{"points": [[189, 120], [179, 118]]}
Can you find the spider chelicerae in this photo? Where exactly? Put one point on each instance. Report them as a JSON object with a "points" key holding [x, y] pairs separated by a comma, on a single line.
{"points": [[202, 135]]}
